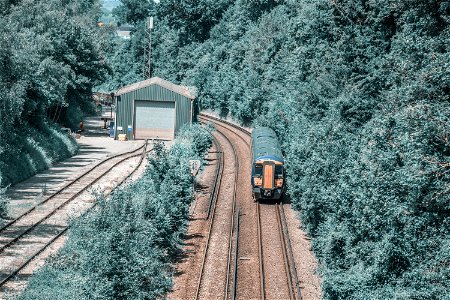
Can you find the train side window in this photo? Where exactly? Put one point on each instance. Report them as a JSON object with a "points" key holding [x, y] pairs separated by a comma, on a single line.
{"points": [[278, 171], [258, 170]]}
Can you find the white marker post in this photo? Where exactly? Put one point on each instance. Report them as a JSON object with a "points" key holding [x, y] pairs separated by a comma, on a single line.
{"points": [[194, 166]]}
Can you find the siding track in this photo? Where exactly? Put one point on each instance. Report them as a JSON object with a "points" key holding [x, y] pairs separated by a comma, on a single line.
{"points": [[41, 220]]}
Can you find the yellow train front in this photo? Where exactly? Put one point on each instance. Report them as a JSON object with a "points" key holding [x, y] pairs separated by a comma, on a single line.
{"points": [[268, 175]]}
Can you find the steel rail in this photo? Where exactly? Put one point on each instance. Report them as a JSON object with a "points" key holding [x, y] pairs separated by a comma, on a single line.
{"points": [[30, 228], [219, 121], [291, 254], [32, 257], [260, 252], [226, 122], [236, 248], [138, 165], [197, 293], [4, 227], [208, 238], [235, 272], [217, 177], [287, 267], [230, 246]]}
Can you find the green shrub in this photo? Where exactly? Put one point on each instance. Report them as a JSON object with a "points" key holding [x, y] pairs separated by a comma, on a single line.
{"points": [[124, 248], [3, 203], [32, 150], [358, 93]]}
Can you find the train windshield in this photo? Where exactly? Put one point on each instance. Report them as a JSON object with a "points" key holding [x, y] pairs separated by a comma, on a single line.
{"points": [[258, 170], [278, 172]]}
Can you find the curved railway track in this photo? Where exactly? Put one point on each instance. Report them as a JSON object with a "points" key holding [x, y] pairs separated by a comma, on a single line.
{"points": [[36, 216], [217, 178], [207, 257], [67, 186], [270, 243]]}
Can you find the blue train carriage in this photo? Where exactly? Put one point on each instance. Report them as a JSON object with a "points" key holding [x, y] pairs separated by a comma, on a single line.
{"points": [[268, 176]]}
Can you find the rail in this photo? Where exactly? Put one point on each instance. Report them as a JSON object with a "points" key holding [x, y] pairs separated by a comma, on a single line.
{"points": [[4, 227], [205, 253], [34, 225], [260, 252], [217, 178], [212, 209], [291, 254], [288, 256], [63, 231], [287, 267], [236, 248]]}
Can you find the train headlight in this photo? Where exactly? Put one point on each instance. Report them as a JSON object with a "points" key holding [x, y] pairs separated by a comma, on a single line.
{"points": [[279, 182], [258, 181]]}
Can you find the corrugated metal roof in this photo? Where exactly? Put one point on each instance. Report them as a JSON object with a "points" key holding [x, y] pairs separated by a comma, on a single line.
{"points": [[179, 89]]}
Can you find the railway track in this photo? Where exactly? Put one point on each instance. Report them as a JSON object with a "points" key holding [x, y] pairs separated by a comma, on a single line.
{"points": [[295, 287], [217, 178], [233, 259], [286, 284], [217, 231], [274, 247], [67, 186], [38, 219]]}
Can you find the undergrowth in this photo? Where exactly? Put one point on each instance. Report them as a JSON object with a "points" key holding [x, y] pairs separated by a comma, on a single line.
{"points": [[31, 150], [124, 248]]}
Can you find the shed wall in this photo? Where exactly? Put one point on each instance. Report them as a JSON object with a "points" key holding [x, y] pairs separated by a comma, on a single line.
{"points": [[125, 107]]}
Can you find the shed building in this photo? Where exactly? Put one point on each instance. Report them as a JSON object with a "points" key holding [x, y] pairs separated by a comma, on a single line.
{"points": [[153, 108]]}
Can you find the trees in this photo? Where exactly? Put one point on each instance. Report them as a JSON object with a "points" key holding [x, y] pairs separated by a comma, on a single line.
{"points": [[50, 61], [358, 92], [134, 11], [192, 19]]}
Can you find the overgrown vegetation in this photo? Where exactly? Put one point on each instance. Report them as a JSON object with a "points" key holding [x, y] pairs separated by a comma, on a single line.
{"points": [[49, 62], [124, 248], [3, 202], [358, 91]]}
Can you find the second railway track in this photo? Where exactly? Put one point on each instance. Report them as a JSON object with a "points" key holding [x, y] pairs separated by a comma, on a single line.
{"points": [[42, 222], [213, 279]]}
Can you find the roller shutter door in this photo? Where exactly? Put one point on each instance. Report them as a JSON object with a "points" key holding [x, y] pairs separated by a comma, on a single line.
{"points": [[154, 119]]}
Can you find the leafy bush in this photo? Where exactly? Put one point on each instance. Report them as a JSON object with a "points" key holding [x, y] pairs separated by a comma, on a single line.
{"points": [[50, 60], [124, 248], [32, 150], [358, 93], [3, 202]]}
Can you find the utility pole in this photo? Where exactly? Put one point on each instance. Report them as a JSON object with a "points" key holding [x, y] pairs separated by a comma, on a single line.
{"points": [[147, 71]]}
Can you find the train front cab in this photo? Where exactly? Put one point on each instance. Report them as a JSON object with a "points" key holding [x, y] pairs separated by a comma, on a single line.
{"points": [[268, 179]]}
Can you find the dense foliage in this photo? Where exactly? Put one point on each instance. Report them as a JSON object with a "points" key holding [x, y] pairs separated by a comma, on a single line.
{"points": [[49, 62], [124, 248], [359, 93], [3, 203]]}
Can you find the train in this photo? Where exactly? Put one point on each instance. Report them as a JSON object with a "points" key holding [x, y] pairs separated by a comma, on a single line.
{"points": [[268, 172]]}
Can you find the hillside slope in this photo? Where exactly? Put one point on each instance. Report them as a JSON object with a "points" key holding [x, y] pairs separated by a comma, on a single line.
{"points": [[358, 91], [49, 62]]}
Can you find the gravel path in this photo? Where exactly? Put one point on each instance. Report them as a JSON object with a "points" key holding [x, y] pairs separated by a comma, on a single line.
{"points": [[95, 145]]}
